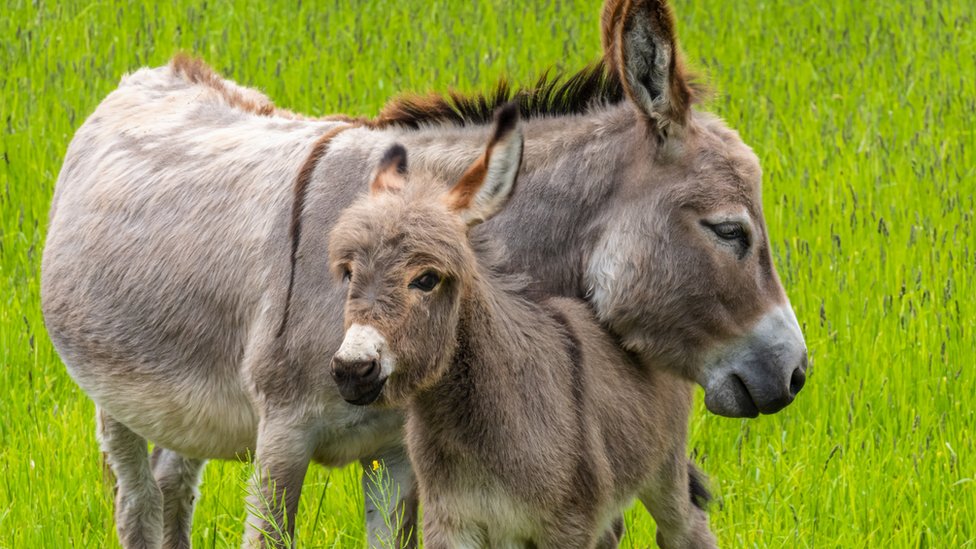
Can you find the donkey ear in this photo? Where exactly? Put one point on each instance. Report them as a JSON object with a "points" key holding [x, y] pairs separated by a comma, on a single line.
{"points": [[389, 175], [640, 45], [485, 187]]}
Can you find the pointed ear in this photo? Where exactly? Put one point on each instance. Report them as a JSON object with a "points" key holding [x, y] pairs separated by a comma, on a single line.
{"points": [[389, 175], [485, 187], [640, 45]]}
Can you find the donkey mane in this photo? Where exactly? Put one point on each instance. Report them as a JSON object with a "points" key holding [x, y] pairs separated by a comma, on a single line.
{"points": [[553, 94]]}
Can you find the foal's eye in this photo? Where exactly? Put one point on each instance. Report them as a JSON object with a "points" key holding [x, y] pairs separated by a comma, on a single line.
{"points": [[426, 282], [346, 274]]}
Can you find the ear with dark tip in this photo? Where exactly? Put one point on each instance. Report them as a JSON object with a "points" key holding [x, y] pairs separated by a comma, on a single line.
{"points": [[640, 44], [486, 185], [391, 171]]}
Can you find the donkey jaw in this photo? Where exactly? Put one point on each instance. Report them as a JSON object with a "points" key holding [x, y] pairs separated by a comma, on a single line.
{"points": [[362, 365], [761, 372]]}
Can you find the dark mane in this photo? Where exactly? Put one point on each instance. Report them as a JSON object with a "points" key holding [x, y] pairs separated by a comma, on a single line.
{"points": [[553, 94]]}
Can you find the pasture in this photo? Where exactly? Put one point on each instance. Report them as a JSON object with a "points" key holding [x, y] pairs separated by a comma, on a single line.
{"points": [[860, 114]]}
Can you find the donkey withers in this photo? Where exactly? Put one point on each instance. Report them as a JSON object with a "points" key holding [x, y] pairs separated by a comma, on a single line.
{"points": [[185, 287], [527, 424]]}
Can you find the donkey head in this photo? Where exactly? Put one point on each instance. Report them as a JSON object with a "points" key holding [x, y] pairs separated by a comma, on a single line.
{"points": [[404, 252], [686, 233]]}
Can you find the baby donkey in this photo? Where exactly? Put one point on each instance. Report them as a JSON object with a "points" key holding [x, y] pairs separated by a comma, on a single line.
{"points": [[527, 424]]}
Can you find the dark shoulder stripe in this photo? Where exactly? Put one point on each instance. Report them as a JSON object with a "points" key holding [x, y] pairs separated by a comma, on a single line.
{"points": [[319, 148]]}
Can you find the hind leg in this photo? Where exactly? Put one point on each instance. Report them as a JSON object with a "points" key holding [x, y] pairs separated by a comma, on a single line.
{"points": [[177, 478], [681, 524], [138, 500]]}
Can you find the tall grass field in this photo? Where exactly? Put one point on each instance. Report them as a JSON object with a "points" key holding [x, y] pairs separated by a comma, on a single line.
{"points": [[863, 116]]}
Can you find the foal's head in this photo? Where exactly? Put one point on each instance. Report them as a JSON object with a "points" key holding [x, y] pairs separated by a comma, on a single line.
{"points": [[404, 253]]}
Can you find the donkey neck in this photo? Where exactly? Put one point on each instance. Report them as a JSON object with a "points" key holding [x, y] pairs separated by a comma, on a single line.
{"points": [[508, 347]]}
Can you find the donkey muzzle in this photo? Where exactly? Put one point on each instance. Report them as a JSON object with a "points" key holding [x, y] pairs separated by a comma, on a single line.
{"points": [[361, 365], [760, 373], [359, 382]]}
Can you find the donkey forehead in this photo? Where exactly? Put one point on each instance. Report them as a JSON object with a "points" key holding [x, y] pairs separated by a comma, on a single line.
{"points": [[723, 172], [401, 229]]}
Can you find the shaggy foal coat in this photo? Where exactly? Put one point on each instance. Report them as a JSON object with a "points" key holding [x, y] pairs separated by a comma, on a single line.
{"points": [[527, 424]]}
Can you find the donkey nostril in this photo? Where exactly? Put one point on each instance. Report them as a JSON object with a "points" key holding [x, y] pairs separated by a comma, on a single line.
{"points": [[371, 370], [797, 380]]}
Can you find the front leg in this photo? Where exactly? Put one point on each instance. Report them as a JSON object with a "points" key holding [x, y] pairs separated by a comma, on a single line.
{"points": [[390, 490], [612, 536], [445, 529], [280, 463], [681, 524]]}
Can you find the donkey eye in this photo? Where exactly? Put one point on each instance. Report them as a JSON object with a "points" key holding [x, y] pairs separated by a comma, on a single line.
{"points": [[729, 231], [426, 282], [346, 274]]}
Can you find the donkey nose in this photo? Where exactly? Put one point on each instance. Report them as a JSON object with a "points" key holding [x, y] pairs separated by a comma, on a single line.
{"points": [[358, 371], [799, 377]]}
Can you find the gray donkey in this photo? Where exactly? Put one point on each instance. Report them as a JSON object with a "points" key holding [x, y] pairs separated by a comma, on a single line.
{"points": [[527, 424], [185, 277]]}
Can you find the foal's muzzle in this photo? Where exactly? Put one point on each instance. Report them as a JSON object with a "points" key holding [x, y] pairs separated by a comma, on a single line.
{"points": [[362, 364], [359, 382]]}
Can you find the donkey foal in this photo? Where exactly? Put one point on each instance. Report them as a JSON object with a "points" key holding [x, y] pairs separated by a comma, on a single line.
{"points": [[527, 424]]}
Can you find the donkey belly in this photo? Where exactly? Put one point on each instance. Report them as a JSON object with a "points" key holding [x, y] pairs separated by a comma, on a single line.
{"points": [[200, 414], [167, 235], [152, 317]]}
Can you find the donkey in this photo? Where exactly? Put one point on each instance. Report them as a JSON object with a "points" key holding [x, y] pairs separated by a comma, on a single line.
{"points": [[184, 281], [527, 424]]}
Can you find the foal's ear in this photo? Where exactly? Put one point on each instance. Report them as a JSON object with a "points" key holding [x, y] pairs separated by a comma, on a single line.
{"points": [[485, 187], [390, 173], [640, 45]]}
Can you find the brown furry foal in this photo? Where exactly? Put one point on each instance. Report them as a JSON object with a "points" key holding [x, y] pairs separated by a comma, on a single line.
{"points": [[527, 424]]}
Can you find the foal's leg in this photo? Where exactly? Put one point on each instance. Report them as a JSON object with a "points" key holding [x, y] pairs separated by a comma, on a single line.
{"points": [[138, 500], [681, 524], [571, 529], [611, 538], [443, 530], [177, 478], [280, 462], [391, 505]]}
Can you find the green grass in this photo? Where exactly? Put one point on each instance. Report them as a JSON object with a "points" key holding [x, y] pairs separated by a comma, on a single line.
{"points": [[862, 115]]}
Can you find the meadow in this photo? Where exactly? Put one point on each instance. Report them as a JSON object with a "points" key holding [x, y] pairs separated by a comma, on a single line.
{"points": [[861, 114]]}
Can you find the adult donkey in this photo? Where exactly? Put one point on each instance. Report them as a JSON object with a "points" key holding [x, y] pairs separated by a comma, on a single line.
{"points": [[185, 280]]}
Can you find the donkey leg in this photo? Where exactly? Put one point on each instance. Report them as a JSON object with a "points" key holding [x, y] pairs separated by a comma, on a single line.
{"points": [[681, 524], [612, 536], [138, 500], [177, 478], [443, 530], [390, 490], [280, 462], [576, 529]]}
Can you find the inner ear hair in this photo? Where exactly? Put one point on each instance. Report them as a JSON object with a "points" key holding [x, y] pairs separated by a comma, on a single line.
{"points": [[488, 182], [391, 170], [506, 121], [640, 43]]}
